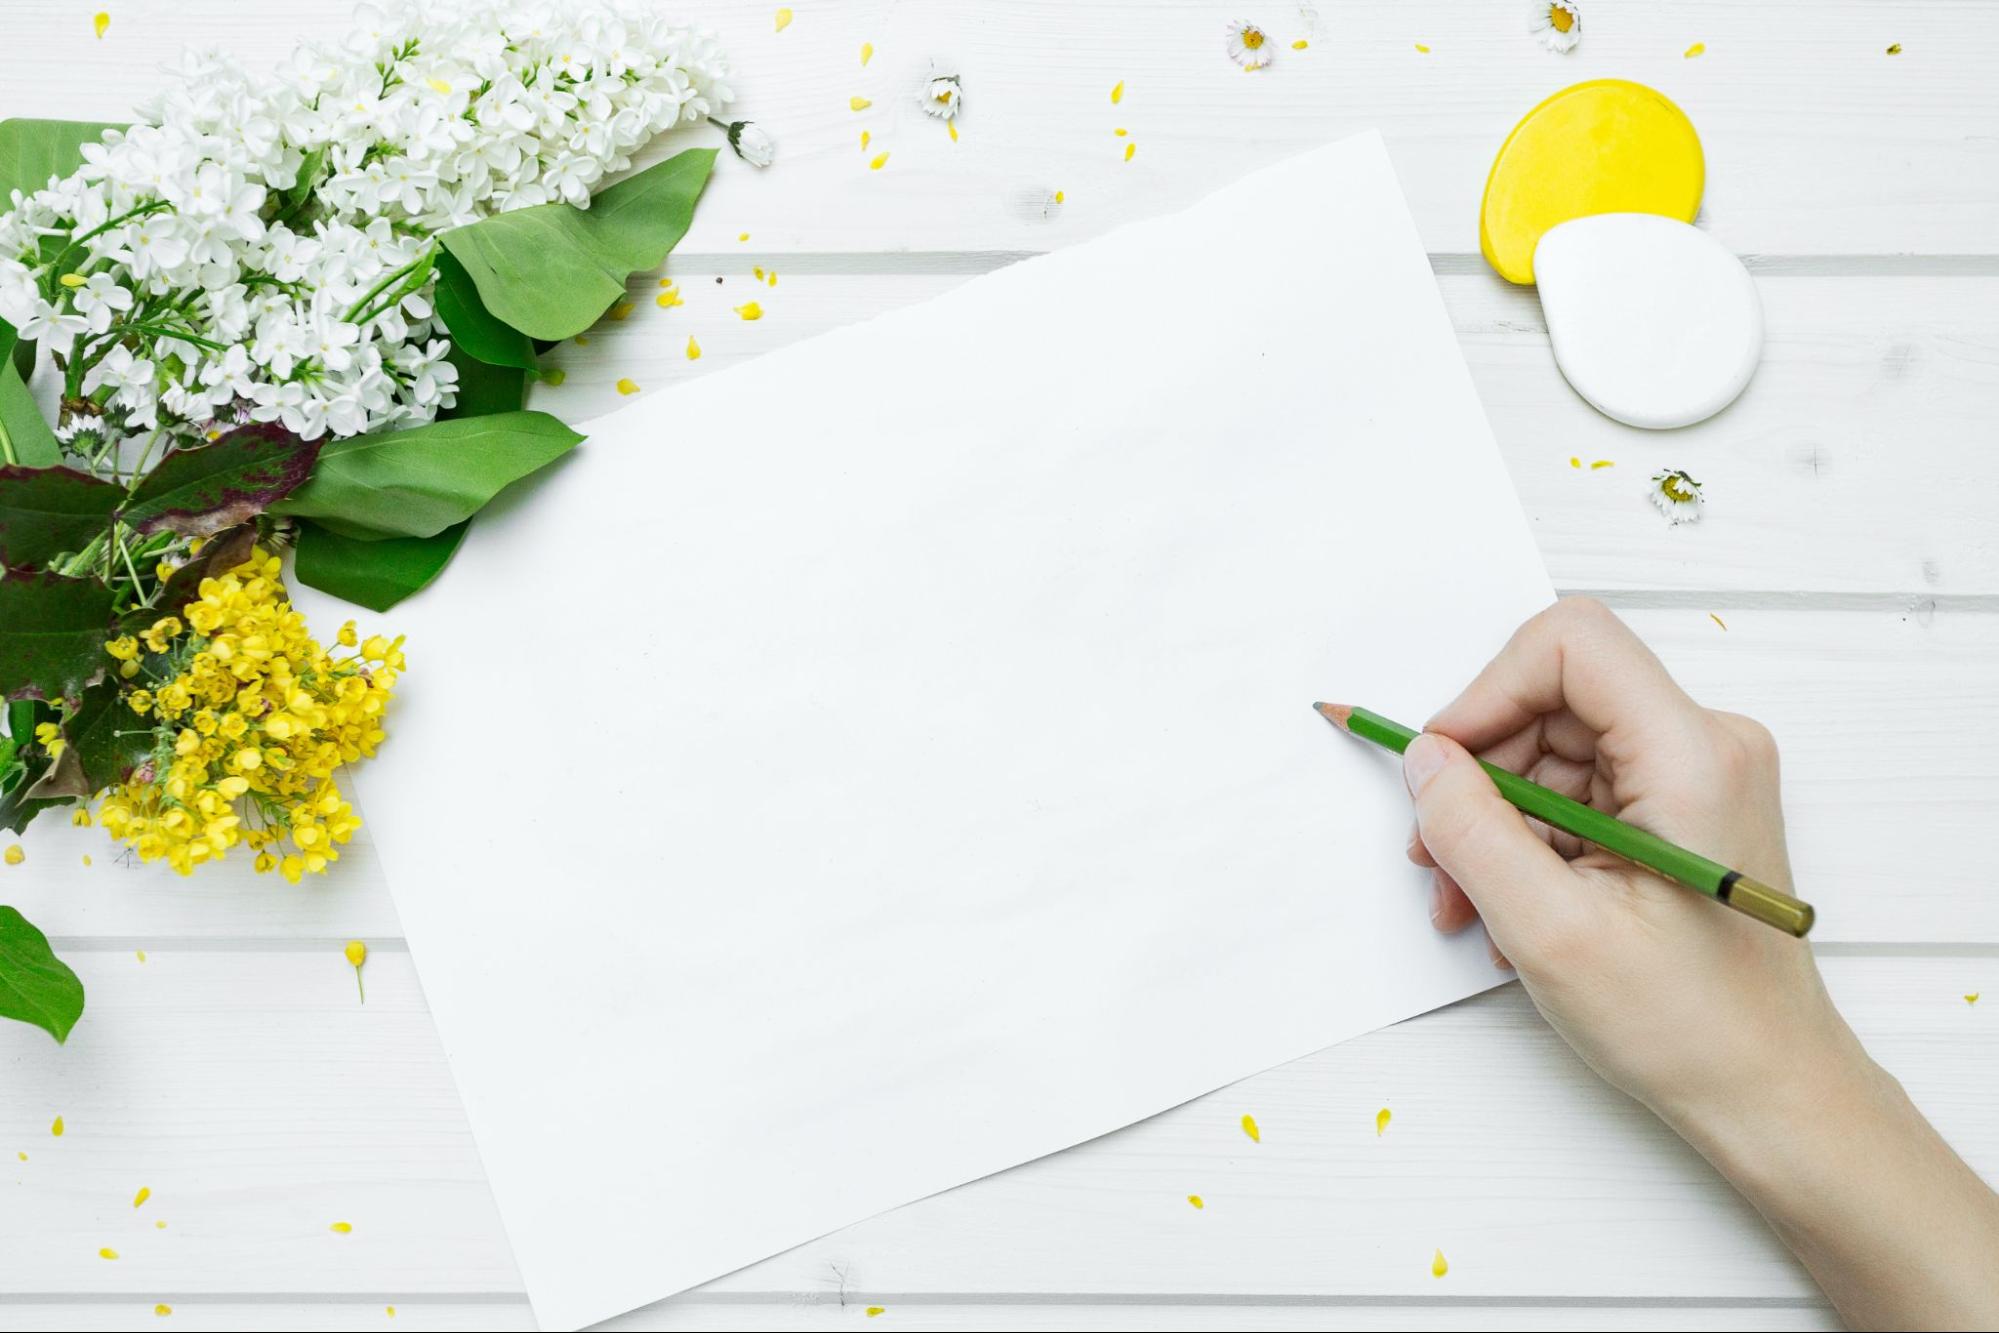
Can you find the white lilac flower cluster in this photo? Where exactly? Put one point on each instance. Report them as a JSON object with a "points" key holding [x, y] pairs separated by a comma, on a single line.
{"points": [[261, 248]]}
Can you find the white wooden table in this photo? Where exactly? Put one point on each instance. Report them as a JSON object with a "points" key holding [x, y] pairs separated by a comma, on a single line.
{"points": [[1851, 549]]}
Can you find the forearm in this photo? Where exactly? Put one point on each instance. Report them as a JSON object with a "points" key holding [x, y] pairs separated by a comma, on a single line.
{"points": [[1892, 1224]]}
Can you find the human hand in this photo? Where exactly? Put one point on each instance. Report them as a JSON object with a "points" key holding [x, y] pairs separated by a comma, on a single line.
{"points": [[1717, 1022], [1687, 1006]]}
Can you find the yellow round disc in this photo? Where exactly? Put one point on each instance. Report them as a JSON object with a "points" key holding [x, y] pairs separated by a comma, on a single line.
{"points": [[1606, 146]]}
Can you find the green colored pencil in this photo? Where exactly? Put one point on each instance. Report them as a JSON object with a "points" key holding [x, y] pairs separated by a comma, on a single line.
{"points": [[1773, 907]]}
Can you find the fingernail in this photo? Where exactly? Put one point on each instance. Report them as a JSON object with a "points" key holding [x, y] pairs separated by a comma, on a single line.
{"points": [[1420, 762], [1436, 899]]}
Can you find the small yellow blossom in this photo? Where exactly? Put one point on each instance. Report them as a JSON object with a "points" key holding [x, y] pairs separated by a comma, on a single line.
{"points": [[99, 22], [341, 1228], [744, 237], [750, 310], [254, 718], [163, 1309], [693, 349], [783, 19], [667, 300], [858, 104], [357, 954], [48, 735], [71, 280], [13, 856], [628, 387], [107, 1253], [1197, 1201], [879, 161], [1300, 44], [1698, 48]]}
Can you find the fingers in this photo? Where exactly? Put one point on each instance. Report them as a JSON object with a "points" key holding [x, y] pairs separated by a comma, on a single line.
{"points": [[1575, 656], [1450, 910], [1482, 843]]}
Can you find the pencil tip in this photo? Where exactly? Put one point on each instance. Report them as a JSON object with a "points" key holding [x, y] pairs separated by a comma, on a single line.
{"points": [[1337, 714]]}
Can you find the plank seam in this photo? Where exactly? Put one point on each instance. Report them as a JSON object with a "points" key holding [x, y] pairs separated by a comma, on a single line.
{"points": [[1444, 263], [1139, 1299]]}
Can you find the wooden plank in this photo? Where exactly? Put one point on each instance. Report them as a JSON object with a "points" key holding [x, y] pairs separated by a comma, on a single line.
{"points": [[1818, 142], [1859, 461], [896, 1312], [1888, 720], [260, 1102]]}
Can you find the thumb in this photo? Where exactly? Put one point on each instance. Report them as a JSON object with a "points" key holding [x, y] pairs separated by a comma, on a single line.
{"points": [[1476, 835]]}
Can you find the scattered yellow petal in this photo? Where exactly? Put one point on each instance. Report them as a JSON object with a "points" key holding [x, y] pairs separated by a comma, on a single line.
{"points": [[1117, 93], [100, 22], [1717, 620], [759, 272], [771, 281], [1694, 50], [86, 861], [783, 19], [1895, 50], [1574, 461], [867, 52], [140, 954], [554, 377], [621, 311], [391, 1310], [439, 86], [160, 1225], [1058, 196], [13, 856], [1300, 44], [1437, 1265], [668, 300], [874, 1310], [1249, 1128], [952, 126], [23, 1156], [163, 1309], [627, 387], [1129, 149], [107, 1253], [143, 1195], [750, 310], [1120, 132], [342, 1227], [582, 340], [1195, 1199], [1600, 464], [865, 136], [744, 237], [693, 349], [1381, 1119], [858, 104], [1969, 999], [879, 161], [56, 1128], [1424, 49]]}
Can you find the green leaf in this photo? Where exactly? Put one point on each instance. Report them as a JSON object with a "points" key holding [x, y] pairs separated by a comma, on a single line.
{"points": [[550, 271], [51, 634], [25, 439], [417, 483], [31, 151], [48, 511], [374, 574], [203, 490], [107, 738], [471, 326], [36, 986], [484, 389]]}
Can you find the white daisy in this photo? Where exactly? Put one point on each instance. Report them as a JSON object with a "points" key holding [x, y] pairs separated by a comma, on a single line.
{"points": [[1558, 23], [1248, 45], [1677, 496], [942, 97]]}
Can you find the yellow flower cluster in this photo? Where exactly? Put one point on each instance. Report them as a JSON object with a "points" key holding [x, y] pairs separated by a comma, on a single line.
{"points": [[250, 718]]}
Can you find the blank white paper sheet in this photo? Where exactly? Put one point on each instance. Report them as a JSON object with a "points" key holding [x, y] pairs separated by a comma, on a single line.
{"points": [[892, 760]]}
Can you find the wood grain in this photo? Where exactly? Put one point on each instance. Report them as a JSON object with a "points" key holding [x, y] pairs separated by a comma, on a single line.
{"points": [[260, 1102], [1888, 720]]}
